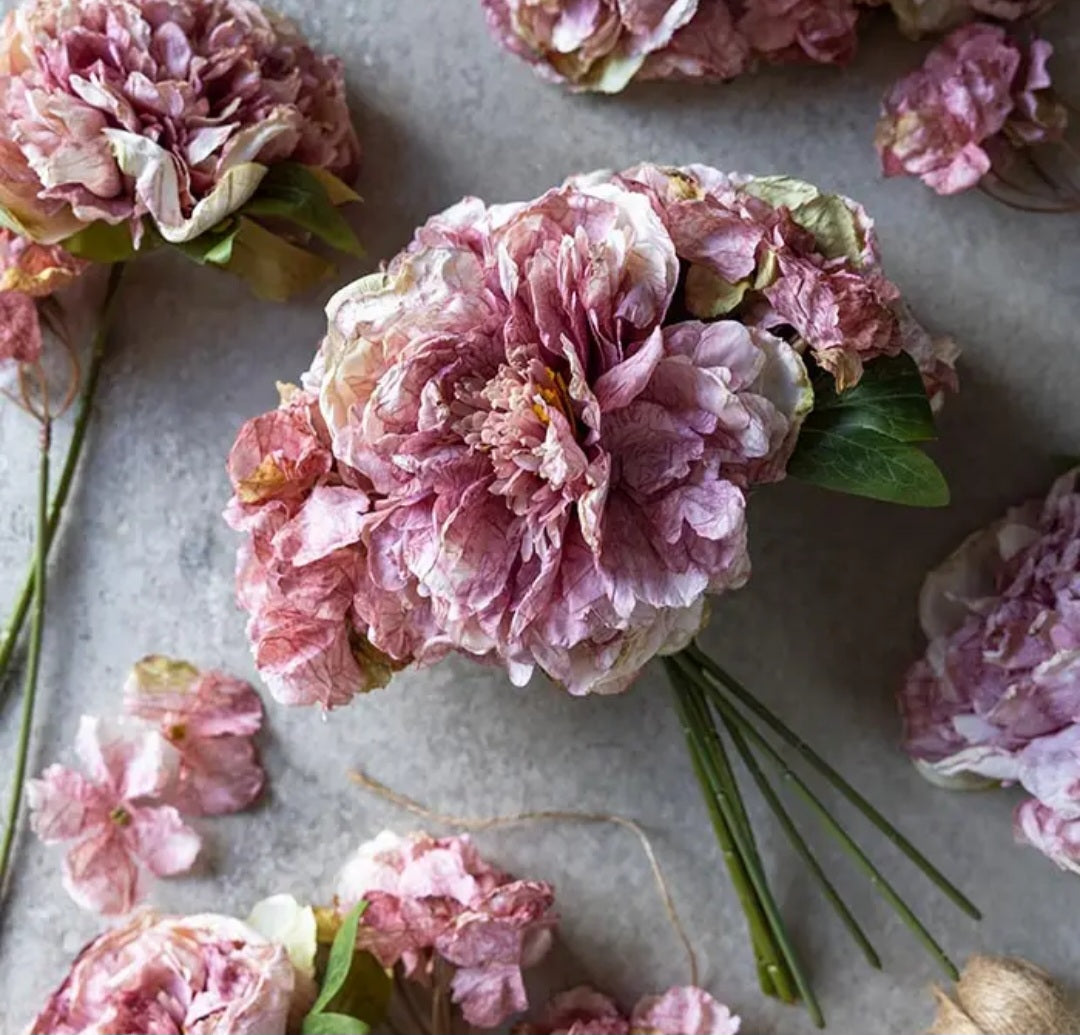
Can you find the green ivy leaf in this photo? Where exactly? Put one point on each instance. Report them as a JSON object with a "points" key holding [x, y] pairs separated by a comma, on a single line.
{"points": [[864, 462], [889, 399], [292, 192], [333, 1024], [102, 242]]}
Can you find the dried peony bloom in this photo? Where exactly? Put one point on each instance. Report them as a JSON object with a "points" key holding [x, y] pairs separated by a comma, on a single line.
{"points": [[537, 426], [998, 692], [113, 110], [435, 899], [203, 975], [209, 718], [1057, 836], [107, 813], [938, 121], [791, 30], [679, 1011]]}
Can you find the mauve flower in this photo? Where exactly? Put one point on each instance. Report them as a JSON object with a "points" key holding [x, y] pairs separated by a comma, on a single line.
{"points": [[209, 718], [936, 121], [436, 898], [115, 109], [709, 48], [816, 30], [998, 692], [679, 1011], [109, 815], [197, 975], [1056, 836]]}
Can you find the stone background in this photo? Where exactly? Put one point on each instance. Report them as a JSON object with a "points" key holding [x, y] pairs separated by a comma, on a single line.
{"points": [[823, 631]]}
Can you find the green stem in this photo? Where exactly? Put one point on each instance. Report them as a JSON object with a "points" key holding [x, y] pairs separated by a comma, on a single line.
{"points": [[733, 686], [884, 888], [37, 626], [67, 472]]}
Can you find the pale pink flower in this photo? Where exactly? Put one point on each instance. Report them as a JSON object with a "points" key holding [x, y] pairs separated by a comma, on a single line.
{"points": [[210, 719], [108, 813], [197, 975], [938, 121], [679, 1011], [434, 899], [116, 109]]}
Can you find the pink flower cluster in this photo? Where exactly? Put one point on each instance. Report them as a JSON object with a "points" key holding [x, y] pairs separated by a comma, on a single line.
{"points": [[531, 437], [679, 1011], [433, 903], [998, 693], [977, 94], [113, 110], [604, 44], [187, 748], [198, 975]]}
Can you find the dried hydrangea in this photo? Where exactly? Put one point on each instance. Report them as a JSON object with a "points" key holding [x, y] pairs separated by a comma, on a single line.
{"points": [[679, 1011], [435, 899], [113, 110], [998, 693], [978, 92], [197, 975], [530, 438]]}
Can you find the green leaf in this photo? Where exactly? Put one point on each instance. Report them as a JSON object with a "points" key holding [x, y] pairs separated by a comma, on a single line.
{"points": [[889, 399], [273, 268], [366, 992], [864, 462], [782, 190], [341, 957], [833, 225], [102, 242], [708, 296], [338, 191], [333, 1024], [214, 247], [292, 192]]}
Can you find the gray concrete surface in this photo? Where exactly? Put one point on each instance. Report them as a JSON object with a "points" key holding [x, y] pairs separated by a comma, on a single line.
{"points": [[823, 631]]}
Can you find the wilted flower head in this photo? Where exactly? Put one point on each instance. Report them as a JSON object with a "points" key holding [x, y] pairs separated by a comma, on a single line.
{"points": [[116, 109], [432, 899], [679, 1011], [792, 30], [209, 719], [977, 90], [998, 693], [110, 815], [203, 975]]}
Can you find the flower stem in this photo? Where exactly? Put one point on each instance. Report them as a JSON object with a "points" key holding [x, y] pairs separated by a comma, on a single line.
{"points": [[37, 626], [67, 472], [720, 678]]}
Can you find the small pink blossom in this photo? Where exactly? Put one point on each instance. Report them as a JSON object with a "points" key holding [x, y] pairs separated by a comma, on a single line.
{"points": [[198, 975], [117, 832], [436, 898], [679, 1011], [209, 718]]}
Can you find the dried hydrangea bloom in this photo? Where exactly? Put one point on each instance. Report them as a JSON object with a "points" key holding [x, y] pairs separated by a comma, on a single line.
{"points": [[435, 899], [977, 88], [998, 692], [197, 975], [109, 813], [210, 719], [117, 109], [679, 1011]]}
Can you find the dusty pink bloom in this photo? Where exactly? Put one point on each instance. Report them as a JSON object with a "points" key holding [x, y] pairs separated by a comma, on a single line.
{"points": [[1057, 836], [937, 121], [108, 813], [817, 30], [197, 975], [998, 692], [708, 48], [209, 718], [115, 109], [679, 1011], [435, 898]]}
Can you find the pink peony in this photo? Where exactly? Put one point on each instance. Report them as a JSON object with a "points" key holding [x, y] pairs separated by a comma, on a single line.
{"points": [[708, 48], [203, 975], [789, 30], [679, 1011], [435, 898], [209, 719], [117, 833], [537, 427], [116, 109], [937, 122], [998, 692]]}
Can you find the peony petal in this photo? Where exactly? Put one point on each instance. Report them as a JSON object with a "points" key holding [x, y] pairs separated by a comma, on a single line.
{"points": [[161, 841], [218, 775], [100, 874], [126, 757], [64, 805]]}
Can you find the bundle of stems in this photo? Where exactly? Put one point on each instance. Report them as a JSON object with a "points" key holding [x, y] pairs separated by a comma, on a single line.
{"points": [[716, 711]]}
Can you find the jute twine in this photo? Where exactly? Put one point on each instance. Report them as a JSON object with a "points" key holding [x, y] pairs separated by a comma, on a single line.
{"points": [[1001, 996]]}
